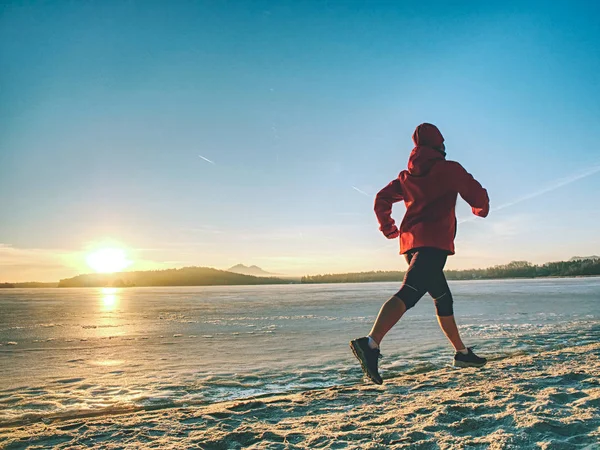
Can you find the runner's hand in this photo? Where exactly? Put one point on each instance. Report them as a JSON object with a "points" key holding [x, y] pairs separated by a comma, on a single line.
{"points": [[391, 233]]}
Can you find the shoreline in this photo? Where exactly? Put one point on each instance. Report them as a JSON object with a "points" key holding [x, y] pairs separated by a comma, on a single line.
{"points": [[538, 400], [551, 277]]}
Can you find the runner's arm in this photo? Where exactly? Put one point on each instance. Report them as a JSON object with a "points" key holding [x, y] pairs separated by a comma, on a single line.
{"points": [[471, 191], [384, 200]]}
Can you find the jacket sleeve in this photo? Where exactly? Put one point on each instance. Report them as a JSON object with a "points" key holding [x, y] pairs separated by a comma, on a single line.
{"points": [[384, 200], [471, 191]]}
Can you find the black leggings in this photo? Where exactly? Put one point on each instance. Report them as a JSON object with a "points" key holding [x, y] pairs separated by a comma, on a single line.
{"points": [[426, 274]]}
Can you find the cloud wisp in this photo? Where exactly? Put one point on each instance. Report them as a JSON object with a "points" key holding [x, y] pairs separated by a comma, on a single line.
{"points": [[558, 184], [361, 191], [207, 160]]}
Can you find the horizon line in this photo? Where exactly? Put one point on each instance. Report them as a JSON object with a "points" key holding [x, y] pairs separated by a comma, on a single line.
{"points": [[278, 275]]}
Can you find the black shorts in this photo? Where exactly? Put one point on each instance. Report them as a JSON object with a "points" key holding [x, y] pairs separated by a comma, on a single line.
{"points": [[425, 274]]}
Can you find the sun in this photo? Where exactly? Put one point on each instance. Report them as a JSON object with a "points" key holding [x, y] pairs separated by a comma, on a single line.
{"points": [[108, 260]]}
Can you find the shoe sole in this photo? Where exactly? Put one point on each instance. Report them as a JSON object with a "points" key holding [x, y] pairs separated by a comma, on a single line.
{"points": [[359, 354], [468, 364]]}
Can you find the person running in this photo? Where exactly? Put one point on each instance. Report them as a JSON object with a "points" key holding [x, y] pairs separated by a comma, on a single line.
{"points": [[429, 187]]}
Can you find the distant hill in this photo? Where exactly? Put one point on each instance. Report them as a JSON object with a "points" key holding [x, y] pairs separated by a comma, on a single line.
{"points": [[187, 276], [252, 270], [28, 284], [583, 258], [206, 276]]}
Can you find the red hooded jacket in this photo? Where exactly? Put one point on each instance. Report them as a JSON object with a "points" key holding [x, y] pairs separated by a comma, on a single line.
{"points": [[429, 189]]}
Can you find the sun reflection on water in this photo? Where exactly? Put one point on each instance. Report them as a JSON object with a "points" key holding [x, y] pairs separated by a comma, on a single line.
{"points": [[110, 299]]}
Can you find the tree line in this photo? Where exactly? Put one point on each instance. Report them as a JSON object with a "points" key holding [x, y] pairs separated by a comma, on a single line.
{"points": [[205, 276], [28, 284], [514, 269]]}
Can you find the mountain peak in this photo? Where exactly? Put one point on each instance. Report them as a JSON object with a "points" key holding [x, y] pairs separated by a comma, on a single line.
{"points": [[249, 270]]}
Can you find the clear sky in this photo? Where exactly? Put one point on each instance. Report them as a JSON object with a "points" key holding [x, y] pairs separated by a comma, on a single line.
{"points": [[212, 133]]}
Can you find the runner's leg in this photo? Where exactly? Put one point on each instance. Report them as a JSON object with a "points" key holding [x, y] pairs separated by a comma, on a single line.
{"points": [[440, 292], [409, 294]]}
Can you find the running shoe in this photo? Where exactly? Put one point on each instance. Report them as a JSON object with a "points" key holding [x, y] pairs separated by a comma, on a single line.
{"points": [[367, 357], [468, 360]]}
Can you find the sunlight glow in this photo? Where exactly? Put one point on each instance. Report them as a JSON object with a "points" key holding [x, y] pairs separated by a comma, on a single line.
{"points": [[109, 299], [109, 302], [108, 260]]}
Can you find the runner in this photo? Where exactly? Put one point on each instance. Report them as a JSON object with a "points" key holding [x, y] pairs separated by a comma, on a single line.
{"points": [[429, 188]]}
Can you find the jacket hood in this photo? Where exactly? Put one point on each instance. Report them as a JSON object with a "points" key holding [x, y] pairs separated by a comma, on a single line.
{"points": [[427, 135], [426, 138], [422, 159]]}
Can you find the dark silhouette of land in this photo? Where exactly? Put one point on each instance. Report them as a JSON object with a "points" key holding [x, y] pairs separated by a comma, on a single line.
{"points": [[577, 266], [28, 284], [187, 276], [581, 258], [206, 276]]}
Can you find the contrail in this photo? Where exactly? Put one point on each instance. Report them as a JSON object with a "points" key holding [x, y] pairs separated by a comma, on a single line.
{"points": [[358, 190], [560, 183], [206, 159]]}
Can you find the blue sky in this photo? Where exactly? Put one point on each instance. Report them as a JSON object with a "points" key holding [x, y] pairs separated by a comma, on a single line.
{"points": [[108, 106]]}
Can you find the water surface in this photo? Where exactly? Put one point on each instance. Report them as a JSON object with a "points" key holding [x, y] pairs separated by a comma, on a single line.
{"points": [[72, 352]]}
